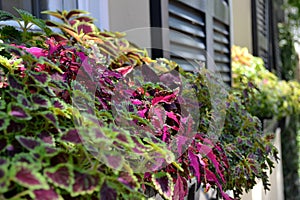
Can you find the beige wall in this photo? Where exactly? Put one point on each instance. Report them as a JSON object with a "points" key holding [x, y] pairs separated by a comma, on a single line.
{"points": [[242, 31], [132, 17]]}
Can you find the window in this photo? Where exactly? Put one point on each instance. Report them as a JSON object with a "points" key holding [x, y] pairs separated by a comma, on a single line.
{"points": [[33, 6], [266, 14], [97, 8], [198, 30]]}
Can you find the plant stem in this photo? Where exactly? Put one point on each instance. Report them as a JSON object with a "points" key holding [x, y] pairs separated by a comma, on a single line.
{"points": [[17, 196]]}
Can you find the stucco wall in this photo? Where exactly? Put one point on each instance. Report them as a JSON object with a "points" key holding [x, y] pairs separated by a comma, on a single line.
{"points": [[242, 31], [133, 17]]}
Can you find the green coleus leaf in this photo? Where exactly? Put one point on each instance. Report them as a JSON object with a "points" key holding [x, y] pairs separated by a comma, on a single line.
{"points": [[61, 176], [4, 162], [57, 103], [26, 158], [83, 27], [40, 78], [129, 180], [74, 13], [107, 192], [4, 175], [72, 136], [14, 83], [22, 100], [124, 138], [57, 14], [2, 103], [40, 100], [28, 176], [3, 180], [18, 112], [3, 143], [163, 183], [29, 143], [85, 183], [4, 122], [113, 160], [50, 117], [36, 145]]}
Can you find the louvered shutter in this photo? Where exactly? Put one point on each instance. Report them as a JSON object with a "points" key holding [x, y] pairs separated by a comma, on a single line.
{"points": [[185, 19], [206, 25], [221, 39], [260, 26]]}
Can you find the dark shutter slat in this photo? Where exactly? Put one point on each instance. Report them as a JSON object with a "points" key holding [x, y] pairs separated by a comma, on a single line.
{"points": [[187, 14], [186, 64], [192, 42], [187, 34], [186, 52], [185, 26], [196, 31], [220, 38], [261, 41], [221, 41]]}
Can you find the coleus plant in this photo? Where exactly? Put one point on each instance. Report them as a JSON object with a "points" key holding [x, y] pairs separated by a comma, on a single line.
{"points": [[88, 116]]}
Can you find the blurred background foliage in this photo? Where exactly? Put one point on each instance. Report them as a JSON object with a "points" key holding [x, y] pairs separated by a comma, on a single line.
{"points": [[289, 38]]}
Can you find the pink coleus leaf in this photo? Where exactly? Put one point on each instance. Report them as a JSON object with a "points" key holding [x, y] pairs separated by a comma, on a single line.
{"points": [[37, 52], [165, 133], [194, 163], [158, 116], [125, 70], [181, 141], [163, 99], [180, 189], [207, 151], [173, 116], [211, 177], [136, 102], [142, 113]]}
